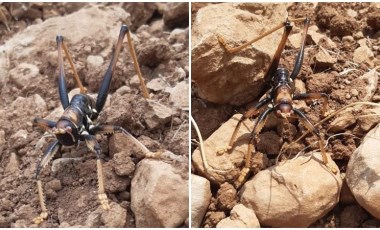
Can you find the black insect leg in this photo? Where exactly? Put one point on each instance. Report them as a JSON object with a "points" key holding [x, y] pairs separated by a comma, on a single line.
{"points": [[93, 145], [61, 79], [248, 114], [44, 123], [299, 59], [307, 96], [261, 120], [104, 87], [48, 155], [315, 131]]}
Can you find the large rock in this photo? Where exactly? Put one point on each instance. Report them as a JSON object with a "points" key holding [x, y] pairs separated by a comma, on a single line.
{"points": [[293, 194], [97, 30], [241, 217], [224, 167], [237, 78], [200, 199], [363, 173], [160, 194]]}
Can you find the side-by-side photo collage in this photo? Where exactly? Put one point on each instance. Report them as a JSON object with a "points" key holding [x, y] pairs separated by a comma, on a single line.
{"points": [[189, 114]]}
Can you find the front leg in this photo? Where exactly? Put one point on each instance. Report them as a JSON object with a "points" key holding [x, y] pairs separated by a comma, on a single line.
{"points": [[261, 120], [93, 145], [248, 114], [48, 155]]}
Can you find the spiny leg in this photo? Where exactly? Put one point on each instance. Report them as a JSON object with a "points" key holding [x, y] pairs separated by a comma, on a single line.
{"points": [[76, 76], [309, 96], [64, 97], [48, 155], [93, 145], [299, 59], [104, 87], [136, 65], [261, 120], [248, 114], [311, 127]]}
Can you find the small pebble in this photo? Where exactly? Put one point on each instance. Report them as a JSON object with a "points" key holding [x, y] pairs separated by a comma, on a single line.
{"points": [[354, 92], [348, 96], [347, 82]]}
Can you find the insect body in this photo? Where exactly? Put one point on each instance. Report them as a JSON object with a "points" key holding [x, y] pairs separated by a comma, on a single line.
{"points": [[280, 97], [77, 121]]}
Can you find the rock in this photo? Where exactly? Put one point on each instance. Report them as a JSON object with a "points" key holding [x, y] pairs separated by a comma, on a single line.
{"points": [[2, 137], [176, 14], [295, 40], [352, 13], [93, 220], [164, 201], [124, 165], [371, 79], [367, 123], [348, 39], [323, 59], [343, 121], [200, 199], [156, 84], [363, 172], [178, 36], [213, 218], [113, 182], [157, 115], [352, 216], [363, 54], [373, 20], [221, 77], [54, 184], [116, 217], [4, 222], [316, 37], [19, 139], [94, 61], [359, 35], [117, 144], [134, 81], [240, 217], [13, 164], [224, 167], [60, 163], [154, 52], [226, 197], [281, 196], [23, 73], [178, 95], [140, 12], [342, 26]]}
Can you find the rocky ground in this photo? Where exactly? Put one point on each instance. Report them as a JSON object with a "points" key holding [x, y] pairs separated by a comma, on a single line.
{"points": [[342, 58], [143, 192]]}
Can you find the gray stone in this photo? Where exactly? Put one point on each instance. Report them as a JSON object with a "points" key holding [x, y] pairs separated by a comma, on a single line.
{"points": [[164, 201], [287, 196], [240, 217], [200, 199], [363, 172]]}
